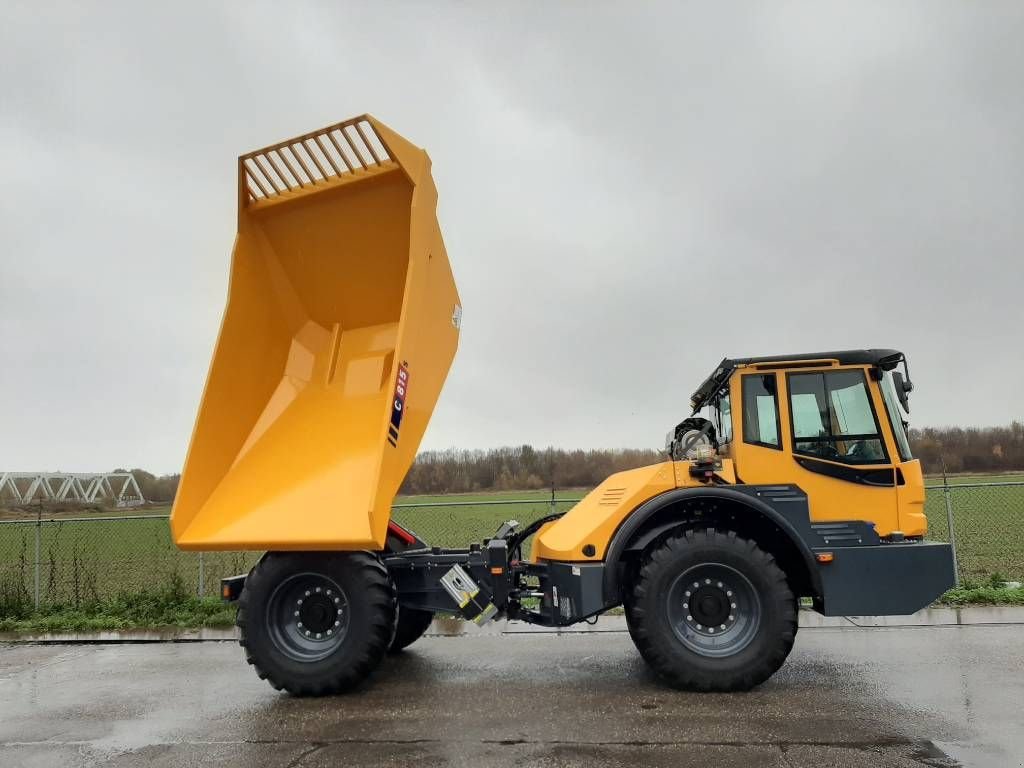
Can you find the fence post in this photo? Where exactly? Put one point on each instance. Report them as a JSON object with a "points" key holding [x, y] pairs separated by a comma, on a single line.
{"points": [[39, 525], [949, 523], [202, 576], [552, 509]]}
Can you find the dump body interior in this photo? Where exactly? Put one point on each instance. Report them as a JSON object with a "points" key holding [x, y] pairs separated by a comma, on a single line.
{"points": [[340, 327]]}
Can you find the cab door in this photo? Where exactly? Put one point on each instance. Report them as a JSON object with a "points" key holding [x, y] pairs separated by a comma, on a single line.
{"points": [[817, 428]]}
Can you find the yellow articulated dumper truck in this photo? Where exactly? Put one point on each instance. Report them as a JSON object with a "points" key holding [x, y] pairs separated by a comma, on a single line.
{"points": [[792, 478]]}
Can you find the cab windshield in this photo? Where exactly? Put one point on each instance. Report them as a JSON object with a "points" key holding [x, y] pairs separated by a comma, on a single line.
{"points": [[896, 416]]}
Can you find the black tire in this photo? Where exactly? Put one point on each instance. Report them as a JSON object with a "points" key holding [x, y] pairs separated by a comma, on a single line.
{"points": [[412, 623], [710, 611], [316, 623]]}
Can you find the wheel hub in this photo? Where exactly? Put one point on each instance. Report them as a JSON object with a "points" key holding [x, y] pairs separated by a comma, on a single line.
{"points": [[307, 616], [709, 606], [714, 609], [317, 613]]}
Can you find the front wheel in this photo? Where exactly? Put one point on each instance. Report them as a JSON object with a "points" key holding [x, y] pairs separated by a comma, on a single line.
{"points": [[710, 611], [316, 623]]}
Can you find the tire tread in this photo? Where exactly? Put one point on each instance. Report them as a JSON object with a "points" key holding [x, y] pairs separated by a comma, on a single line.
{"points": [[658, 650], [379, 592]]}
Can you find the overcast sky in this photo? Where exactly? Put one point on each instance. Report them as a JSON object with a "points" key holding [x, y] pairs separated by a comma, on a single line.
{"points": [[628, 193]]}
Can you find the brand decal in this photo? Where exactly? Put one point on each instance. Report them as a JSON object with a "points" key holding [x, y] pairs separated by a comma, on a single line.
{"points": [[398, 402]]}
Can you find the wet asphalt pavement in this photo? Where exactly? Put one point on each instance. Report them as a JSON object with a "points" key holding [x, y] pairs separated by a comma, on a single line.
{"points": [[932, 696]]}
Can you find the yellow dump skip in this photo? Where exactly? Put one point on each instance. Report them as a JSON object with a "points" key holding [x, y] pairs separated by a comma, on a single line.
{"points": [[341, 324]]}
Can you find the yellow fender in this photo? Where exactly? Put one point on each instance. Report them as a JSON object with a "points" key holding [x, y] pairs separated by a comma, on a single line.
{"points": [[341, 323]]}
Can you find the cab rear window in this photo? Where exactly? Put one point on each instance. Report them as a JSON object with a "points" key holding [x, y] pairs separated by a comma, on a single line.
{"points": [[760, 411]]}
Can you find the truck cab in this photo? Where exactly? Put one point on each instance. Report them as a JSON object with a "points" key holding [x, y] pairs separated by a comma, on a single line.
{"points": [[805, 455], [832, 423]]}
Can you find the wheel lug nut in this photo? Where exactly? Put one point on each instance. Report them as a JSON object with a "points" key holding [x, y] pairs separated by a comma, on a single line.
{"points": [[329, 632], [722, 626], [318, 589], [337, 600], [307, 633], [689, 618], [731, 617], [699, 627], [317, 635], [687, 593], [728, 593], [337, 623], [696, 584], [711, 629], [329, 593], [308, 593], [732, 605], [300, 625], [719, 585], [296, 613], [707, 581], [299, 601]]}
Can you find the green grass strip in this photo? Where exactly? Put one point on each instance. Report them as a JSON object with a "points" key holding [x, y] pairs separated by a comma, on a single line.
{"points": [[167, 607]]}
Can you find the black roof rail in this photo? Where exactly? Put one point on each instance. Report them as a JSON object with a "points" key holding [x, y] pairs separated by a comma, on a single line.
{"points": [[887, 359]]}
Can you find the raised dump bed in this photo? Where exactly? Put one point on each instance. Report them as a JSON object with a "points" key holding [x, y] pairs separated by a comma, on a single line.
{"points": [[341, 324]]}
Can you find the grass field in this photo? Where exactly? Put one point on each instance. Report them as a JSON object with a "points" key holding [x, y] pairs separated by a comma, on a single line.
{"points": [[84, 557], [1007, 477], [96, 559]]}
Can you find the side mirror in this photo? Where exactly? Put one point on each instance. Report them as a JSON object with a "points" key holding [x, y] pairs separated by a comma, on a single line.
{"points": [[903, 389]]}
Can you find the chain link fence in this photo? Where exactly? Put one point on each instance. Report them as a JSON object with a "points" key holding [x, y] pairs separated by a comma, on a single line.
{"points": [[985, 524], [80, 560]]}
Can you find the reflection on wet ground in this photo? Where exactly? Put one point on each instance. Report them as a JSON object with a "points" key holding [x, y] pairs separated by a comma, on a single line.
{"points": [[908, 696]]}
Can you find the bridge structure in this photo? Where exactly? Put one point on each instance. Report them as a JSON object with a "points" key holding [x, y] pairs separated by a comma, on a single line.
{"points": [[117, 488]]}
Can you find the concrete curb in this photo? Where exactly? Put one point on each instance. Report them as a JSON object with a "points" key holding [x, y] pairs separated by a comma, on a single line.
{"points": [[453, 627]]}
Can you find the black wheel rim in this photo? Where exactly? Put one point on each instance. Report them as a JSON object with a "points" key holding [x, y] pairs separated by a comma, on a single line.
{"points": [[308, 617], [714, 610]]}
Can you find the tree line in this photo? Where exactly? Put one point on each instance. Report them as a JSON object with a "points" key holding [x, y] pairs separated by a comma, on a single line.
{"points": [[971, 449], [953, 449], [949, 449], [519, 468], [159, 489]]}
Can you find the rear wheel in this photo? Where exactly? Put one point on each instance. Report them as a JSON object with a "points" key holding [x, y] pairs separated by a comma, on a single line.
{"points": [[710, 611], [412, 623], [315, 623]]}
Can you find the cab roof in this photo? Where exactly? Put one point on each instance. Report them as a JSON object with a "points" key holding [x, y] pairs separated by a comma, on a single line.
{"points": [[887, 359]]}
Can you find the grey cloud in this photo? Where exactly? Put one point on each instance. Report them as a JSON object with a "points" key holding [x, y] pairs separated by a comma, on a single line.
{"points": [[628, 193]]}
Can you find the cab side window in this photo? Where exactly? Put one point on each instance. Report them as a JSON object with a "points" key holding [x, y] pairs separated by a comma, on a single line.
{"points": [[832, 417], [724, 419], [761, 411]]}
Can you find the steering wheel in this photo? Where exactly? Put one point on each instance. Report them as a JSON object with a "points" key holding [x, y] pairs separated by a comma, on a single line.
{"points": [[859, 450], [828, 451]]}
